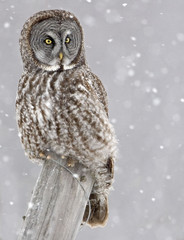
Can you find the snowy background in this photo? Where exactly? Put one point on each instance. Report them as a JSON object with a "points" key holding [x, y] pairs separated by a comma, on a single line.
{"points": [[136, 47]]}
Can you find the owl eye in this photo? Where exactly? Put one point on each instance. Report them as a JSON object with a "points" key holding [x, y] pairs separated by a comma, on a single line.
{"points": [[67, 40], [48, 41]]}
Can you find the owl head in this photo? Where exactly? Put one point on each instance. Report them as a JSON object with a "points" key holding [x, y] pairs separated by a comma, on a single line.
{"points": [[52, 40]]}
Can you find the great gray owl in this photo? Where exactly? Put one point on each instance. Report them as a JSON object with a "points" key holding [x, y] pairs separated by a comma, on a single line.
{"points": [[61, 105]]}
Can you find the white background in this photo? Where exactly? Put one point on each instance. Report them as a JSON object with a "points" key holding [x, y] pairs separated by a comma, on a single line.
{"points": [[136, 47]]}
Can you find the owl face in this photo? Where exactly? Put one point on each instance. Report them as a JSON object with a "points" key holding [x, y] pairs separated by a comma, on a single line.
{"points": [[56, 43]]}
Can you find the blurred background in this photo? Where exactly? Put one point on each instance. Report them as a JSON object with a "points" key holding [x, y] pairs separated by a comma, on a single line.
{"points": [[136, 47]]}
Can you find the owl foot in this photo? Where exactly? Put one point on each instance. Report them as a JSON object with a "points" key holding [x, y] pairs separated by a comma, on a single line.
{"points": [[45, 155], [49, 157], [42, 155], [71, 162]]}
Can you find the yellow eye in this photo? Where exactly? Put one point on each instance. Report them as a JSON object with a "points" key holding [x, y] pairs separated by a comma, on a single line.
{"points": [[48, 41], [67, 40]]}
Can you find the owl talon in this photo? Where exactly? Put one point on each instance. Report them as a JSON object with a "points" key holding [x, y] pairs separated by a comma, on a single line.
{"points": [[71, 163], [42, 155]]}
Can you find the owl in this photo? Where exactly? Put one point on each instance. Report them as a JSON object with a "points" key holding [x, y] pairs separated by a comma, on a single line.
{"points": [[61, 106]]}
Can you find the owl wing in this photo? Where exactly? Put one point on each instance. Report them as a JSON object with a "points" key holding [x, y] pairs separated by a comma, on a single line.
{"points": [[100, 91], [102, 97], [99, 202]]}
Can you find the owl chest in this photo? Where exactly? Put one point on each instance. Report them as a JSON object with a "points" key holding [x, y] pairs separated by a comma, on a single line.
{"points": [[42, 108], [36, 107], [54, 103]]}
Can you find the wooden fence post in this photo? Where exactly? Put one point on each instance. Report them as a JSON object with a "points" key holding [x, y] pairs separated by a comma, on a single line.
{"points": [[58, 202]]}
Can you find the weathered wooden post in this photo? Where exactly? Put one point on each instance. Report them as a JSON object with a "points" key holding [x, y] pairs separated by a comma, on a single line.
{"points": [[58, 201]]}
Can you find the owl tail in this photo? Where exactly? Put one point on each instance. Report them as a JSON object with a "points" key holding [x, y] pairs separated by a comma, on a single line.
{"points": [[99, 210]]}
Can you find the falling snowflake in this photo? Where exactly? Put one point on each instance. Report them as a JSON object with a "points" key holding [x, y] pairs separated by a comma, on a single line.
{"points": [[6, 25]]}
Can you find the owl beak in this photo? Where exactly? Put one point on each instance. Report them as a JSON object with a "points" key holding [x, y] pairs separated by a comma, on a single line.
{"points": [[60, 56]]}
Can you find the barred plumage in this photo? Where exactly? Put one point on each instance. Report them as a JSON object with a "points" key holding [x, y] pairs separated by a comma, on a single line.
{"points": [[62, 106]]}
